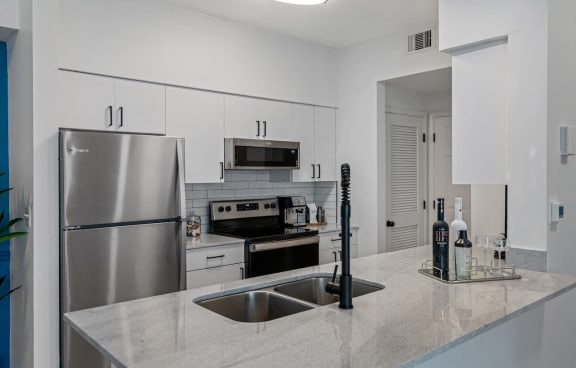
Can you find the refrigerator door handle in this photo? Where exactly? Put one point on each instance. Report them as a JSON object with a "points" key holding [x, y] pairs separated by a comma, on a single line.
{"points": [[181, 178], [182, 194]]}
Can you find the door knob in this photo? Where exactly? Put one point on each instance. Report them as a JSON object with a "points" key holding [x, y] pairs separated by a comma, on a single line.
{"points": [[390, 223]]}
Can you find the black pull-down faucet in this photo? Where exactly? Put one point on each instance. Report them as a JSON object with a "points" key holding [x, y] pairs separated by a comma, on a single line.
{"points": [[344, 287]]}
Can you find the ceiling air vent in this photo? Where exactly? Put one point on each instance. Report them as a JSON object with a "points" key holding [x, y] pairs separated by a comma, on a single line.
{"points": [[420, 41]]}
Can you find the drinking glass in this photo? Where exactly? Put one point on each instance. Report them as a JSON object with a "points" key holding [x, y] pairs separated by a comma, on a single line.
{"points": [[485, 242]]}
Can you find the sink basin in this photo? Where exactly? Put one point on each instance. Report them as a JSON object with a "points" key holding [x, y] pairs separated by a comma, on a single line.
{"points": [[312, 290], [254, 306]]}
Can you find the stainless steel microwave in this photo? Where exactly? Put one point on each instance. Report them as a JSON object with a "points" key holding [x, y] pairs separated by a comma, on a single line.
{"points": [[259, 154]]}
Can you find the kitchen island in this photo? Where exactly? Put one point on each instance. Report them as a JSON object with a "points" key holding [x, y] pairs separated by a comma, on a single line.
{"points": [[414, 321]]}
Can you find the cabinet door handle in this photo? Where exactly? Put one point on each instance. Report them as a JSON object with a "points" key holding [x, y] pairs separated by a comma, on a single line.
{"points": [[221, 170], [110, 115], [337, 239], [215, 257], [335, 256], [258, 127], [313, 171], [264, 122], [242, 273], [121, 116], [319, 174]]}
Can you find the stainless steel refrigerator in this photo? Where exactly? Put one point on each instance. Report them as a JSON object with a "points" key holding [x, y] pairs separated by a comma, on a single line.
{"points": [[122, 213]]}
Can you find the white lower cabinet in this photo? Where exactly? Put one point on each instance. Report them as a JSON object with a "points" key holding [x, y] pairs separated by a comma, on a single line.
{"points": [[330, 248], [214, 275], [214, 265]]}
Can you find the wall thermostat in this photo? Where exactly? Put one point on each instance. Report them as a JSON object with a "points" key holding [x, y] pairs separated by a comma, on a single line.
{"points": [[556, 212]]}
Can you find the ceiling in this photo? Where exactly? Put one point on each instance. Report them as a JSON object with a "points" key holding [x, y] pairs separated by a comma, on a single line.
{"points": [[338, 23]]}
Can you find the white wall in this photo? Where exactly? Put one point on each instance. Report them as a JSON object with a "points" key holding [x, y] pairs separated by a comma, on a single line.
{"points": [[162, 42], [20, 129], [9, 18], [487, 210], [561, 110], [525, 24], [463, 23], [45, 214], [32, 80], [360, 69], [542, 337]]}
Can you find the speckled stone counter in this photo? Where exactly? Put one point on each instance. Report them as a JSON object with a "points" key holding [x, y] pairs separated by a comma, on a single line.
{"points": [[210, 240], [412, 320]]}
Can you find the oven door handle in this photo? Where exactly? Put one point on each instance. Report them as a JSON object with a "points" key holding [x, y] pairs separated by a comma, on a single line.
{"points": [[261, 247]]}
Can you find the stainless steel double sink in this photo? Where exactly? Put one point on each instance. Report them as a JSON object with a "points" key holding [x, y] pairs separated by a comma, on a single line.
{"points": [[280, 300]]}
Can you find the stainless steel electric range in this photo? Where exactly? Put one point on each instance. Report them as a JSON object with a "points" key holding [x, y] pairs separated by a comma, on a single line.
{"points": [[270, 247]]}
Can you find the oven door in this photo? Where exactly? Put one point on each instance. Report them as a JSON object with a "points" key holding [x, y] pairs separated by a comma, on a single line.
{"points": [[278, 256]]}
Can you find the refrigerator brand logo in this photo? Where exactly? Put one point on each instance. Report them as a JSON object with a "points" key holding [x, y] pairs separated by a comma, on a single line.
{"points": [[78, 150]]}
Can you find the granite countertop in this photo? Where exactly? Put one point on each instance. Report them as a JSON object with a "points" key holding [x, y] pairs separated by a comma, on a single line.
{"points": [[412, 320], [210, 240]]}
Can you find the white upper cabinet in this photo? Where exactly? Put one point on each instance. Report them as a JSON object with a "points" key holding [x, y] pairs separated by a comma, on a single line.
{"points": [[326, 143], [103, 103], [304, 132], [198, 117], [277, 120], [253, 118], [315, 129], [86, 101], [141, 106]]}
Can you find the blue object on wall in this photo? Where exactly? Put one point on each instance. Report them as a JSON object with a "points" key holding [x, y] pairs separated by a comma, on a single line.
{"points": [[4, 202]]}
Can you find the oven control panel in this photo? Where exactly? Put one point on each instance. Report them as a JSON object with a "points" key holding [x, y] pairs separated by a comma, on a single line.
{"points": [[230, 210]]}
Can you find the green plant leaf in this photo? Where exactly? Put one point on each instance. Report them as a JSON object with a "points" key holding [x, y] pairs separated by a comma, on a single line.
{"points": [[2, 191], [3, 238], [10, 223], [10, 292]]}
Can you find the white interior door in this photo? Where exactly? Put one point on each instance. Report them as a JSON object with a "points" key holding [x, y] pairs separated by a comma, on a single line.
{"points": [[440, 169], [406, 180]]}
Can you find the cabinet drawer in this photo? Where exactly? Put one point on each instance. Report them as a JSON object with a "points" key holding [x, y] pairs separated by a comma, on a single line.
{"points": [[215, 275], [197, 259]]}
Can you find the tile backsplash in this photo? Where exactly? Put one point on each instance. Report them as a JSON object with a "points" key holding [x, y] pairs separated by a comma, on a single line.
{"points": [[256, 184]]}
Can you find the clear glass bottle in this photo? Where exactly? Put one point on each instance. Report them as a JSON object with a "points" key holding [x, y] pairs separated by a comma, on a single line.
{"points": [[463, 255]]}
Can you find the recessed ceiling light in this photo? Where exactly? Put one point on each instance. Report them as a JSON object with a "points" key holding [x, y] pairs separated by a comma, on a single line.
{"points": [[304, 2]]}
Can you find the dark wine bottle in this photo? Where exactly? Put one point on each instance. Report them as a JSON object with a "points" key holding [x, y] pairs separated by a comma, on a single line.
{"points": [[440, 241]]}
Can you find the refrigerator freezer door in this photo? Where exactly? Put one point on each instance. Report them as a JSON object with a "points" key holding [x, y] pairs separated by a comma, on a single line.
{"points": [[115, 178], [115, 264]]}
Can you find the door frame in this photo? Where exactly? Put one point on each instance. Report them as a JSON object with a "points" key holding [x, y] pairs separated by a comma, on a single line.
{"points": [[430, 164], [415, 114]]}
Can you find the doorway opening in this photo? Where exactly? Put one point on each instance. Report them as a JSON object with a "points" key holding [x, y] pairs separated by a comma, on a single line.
{"points": [[415, 164]]}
